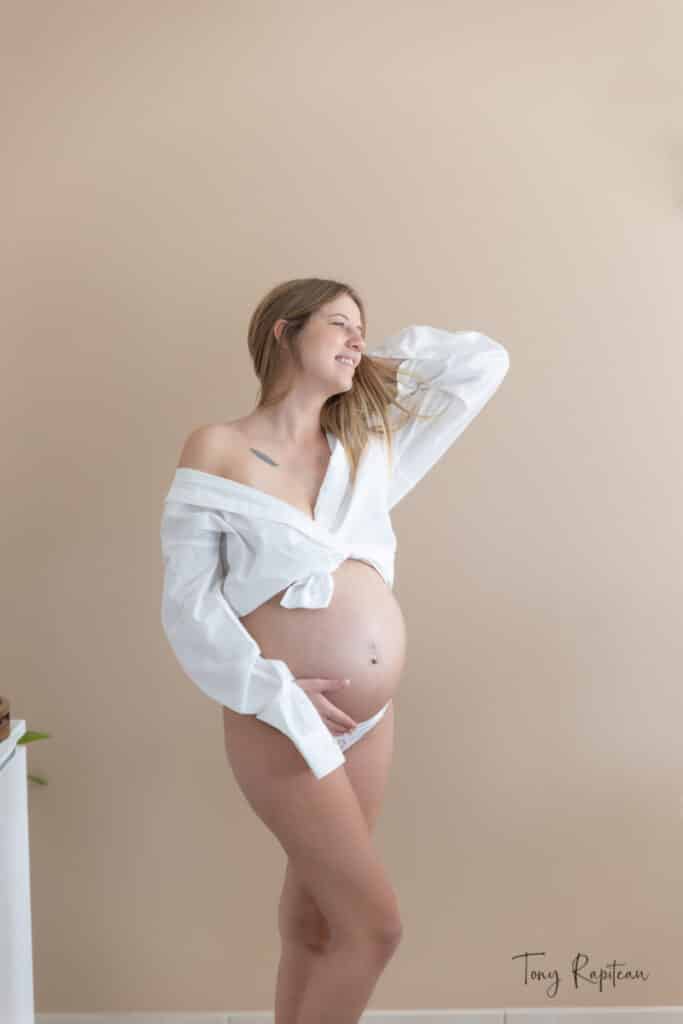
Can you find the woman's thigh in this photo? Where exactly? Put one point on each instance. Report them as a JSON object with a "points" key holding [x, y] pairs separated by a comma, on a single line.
{"points": [[367, 767], [320, 824], [368, 764]]}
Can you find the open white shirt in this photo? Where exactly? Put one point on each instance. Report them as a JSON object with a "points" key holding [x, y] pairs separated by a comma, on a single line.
{"points": [[228, 547]]}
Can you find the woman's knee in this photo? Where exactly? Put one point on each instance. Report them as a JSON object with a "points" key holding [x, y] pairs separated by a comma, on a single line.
{"points": [[375, 937], [358, 910], [301, 928], [385, 931], [299, 919], [375, 940]]}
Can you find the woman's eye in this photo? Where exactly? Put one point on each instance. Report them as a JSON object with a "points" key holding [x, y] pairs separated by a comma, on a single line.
{"points": [[338, 323]]}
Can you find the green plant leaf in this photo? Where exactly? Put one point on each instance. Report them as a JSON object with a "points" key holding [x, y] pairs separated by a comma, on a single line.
{"points": [[30, 736]]}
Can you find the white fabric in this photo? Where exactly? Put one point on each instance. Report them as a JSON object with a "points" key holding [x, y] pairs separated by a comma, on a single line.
{"points": [[228, 547]]}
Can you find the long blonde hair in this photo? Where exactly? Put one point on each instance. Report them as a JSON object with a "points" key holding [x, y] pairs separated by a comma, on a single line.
{"points": [[351, 415]]}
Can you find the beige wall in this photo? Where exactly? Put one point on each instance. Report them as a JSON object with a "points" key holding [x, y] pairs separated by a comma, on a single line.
{"points": [[510, 168]]}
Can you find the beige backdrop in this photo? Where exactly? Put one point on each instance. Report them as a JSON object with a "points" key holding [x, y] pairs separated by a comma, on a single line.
{"points": [[511, 168]]}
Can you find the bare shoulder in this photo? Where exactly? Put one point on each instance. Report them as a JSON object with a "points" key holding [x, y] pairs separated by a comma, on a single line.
{"points": [[213, 448]]}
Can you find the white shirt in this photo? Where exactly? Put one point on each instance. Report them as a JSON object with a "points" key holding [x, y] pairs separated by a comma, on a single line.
{"points": [[228, 547]]}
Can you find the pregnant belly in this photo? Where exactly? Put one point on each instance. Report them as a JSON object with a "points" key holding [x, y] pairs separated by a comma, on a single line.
{"points": [[360, 636]]}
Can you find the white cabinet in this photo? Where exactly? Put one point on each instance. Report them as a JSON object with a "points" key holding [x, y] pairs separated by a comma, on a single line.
{"points": [[16, 963]]}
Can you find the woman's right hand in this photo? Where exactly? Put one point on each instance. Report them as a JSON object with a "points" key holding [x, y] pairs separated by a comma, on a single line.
{"points": [[336, 720]]}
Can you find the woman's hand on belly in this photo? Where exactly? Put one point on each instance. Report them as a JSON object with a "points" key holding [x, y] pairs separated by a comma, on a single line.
{"points": [[336, 720]]}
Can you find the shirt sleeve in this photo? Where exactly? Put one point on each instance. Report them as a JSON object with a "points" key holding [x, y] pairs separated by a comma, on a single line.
{"points": [[458, 372], [214, 648]]}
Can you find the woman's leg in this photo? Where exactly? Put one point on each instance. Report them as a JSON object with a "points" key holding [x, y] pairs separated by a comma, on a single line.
{"points": [[303, 939], [322, 828], [303, 930]]}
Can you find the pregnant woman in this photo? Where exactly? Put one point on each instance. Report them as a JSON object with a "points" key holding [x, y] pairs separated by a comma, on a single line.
{"points": [[278, 603]]}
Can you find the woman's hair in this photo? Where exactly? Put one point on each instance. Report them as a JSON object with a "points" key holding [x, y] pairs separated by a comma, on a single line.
{"points": [[350, 415]]}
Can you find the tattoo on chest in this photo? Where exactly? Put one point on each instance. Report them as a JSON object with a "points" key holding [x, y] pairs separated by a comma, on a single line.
{"points": [[262, 455]]}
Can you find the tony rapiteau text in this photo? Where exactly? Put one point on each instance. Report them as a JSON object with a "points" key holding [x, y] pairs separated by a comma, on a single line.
{"points": [[580, 972]]}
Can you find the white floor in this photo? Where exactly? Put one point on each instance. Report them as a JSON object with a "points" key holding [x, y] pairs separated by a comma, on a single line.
{"points": [[569, 1015]]}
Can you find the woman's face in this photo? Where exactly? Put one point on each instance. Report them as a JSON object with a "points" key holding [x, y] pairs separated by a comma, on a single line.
{"points": [[336, 329]]}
